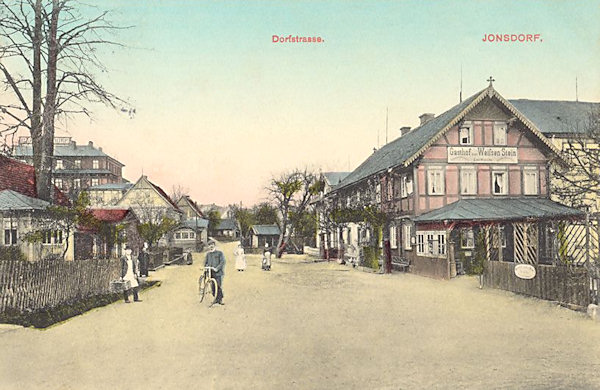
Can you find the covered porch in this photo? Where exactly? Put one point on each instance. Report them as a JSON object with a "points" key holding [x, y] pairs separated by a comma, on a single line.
{"points": [[514, 230]]}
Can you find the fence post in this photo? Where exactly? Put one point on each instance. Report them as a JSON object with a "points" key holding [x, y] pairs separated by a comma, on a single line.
{"points": [[587, 238]]}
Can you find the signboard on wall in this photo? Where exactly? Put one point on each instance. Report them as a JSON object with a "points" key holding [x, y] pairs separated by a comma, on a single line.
{"points": [[525, 271], [482, 154]]}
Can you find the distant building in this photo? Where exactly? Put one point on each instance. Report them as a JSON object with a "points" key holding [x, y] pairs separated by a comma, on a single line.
{"points": [[191, 234], [228, 228], [107, 194], [189, 208], [75, 167], [264, 234]]}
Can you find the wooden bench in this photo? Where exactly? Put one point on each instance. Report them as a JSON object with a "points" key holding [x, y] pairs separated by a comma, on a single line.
{"points": [[401, 262]]}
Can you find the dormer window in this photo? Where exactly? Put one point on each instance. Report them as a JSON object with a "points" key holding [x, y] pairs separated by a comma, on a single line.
{"points": [[465, 134], [499, 133]]}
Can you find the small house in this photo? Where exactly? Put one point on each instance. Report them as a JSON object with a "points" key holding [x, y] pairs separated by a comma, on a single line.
{"points": [[264, 234]]}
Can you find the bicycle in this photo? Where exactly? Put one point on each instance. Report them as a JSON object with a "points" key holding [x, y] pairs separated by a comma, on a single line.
{"points": [[207, 284]]}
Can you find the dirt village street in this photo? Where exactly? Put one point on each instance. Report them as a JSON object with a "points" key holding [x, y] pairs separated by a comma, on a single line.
{"points": [[309, 325]]}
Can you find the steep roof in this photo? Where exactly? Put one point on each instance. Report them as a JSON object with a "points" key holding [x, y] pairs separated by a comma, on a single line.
{"points": [[11, 200], [556, 117], [265, 230], [20, 177], [156, 188], [496, 209], [334, 178], [406, 149], [191, 203]]}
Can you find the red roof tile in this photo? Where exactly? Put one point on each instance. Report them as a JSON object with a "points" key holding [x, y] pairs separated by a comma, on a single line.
{"points": [[109, 215], [20, 177]]}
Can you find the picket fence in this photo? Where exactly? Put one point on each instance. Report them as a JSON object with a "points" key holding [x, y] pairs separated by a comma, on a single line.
{"points": [[31, 286]]}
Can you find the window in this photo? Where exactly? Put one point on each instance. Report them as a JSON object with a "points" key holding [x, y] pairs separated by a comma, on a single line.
{"points": [[95, 182], [393, 237], [50, 237], [468, 181], [378, 193], [499, 185], [390, 188], [435, 181], [177, 236], [185, 235], [58, 183], [530, 181], [499, 133], [59, 164], [10, 236], [77, 164], [465, 134], [406, 234], [467, 238], [192, 235], [406, 187], [95, 164], [76, 183], [431, 243], [420, 244]]}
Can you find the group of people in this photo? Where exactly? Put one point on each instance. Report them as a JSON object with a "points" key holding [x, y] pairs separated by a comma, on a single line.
{"points": [[132, 267]]}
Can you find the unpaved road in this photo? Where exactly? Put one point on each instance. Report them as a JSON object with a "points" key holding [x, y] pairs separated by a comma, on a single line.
{"points": [[310, 325]]}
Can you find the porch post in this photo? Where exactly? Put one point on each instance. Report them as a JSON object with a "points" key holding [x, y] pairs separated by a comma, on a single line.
{"points": [[499, 242]]}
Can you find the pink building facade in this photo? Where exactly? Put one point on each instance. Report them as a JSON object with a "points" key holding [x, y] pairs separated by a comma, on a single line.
{"points": [[479, 167]]}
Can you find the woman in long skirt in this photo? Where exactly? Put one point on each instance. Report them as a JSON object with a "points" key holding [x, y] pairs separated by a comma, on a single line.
{"points": [[240, 258]]}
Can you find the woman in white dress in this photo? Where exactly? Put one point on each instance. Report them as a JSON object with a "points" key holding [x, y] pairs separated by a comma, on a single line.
{"points": [[240, 258]]}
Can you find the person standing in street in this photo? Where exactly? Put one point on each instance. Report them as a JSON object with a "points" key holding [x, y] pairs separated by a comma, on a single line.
{"points": [[216, 259], [144, 257], [240, 258], [130, 272]]}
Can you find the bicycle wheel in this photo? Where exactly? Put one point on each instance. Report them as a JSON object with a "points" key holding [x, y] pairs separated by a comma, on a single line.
{"points": [[202, 287], [211, 291]]}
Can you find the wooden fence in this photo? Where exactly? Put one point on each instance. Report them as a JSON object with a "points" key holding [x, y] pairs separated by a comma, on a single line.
{"points": [[554, 283], [30, 286]]}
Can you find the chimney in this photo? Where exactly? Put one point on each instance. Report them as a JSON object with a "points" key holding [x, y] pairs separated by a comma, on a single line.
{"points": [[73, 145], [426, 118], [90, 144], [404, 130], [100, 148]]}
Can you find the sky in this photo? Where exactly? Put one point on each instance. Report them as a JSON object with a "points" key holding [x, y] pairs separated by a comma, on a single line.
{"points": [[221, 108]]}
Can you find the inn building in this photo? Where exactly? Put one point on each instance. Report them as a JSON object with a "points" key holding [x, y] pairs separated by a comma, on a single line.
{"points": [[480, 169]]}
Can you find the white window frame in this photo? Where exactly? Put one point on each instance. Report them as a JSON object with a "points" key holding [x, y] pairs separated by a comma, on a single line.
{"points": [[178, 236], [435, 179], [95, 182], [95, 164], [58, 183], [12, 234], [499, 133], [406, 235], [505, 175], [468, 128], [77, 164], [393, 237], [378, 193], [471, 185], [52, 237], [531, 188], [390, 188], [432, 243], [467, 238], [60, 164], [406, 187], [76, 183]]}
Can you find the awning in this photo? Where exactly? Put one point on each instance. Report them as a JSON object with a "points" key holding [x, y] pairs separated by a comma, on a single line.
{"points": [[504, 209]]}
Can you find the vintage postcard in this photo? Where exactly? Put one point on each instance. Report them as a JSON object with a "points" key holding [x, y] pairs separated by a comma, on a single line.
{"points": [[299, 194]]}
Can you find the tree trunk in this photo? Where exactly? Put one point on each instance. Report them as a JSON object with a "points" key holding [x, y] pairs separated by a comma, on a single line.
{"points": [[282, 235], [36, 109]]}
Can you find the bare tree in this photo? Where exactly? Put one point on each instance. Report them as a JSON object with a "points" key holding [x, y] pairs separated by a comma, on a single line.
{"points": [[291, 193], [578, 183], [48, 60], [177, 191]]}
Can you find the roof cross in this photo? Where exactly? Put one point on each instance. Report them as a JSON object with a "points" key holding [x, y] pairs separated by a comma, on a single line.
{"points": [[491, 80]]}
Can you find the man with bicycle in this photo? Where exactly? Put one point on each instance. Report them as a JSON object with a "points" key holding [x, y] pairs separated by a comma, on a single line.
{"points": [[216, 259]]}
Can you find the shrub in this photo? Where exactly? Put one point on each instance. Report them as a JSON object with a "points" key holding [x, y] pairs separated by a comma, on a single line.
{"points": [[11, 253]]}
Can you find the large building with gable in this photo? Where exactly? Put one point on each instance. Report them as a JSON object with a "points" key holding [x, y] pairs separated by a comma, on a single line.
{"points": [[482, 166]]}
